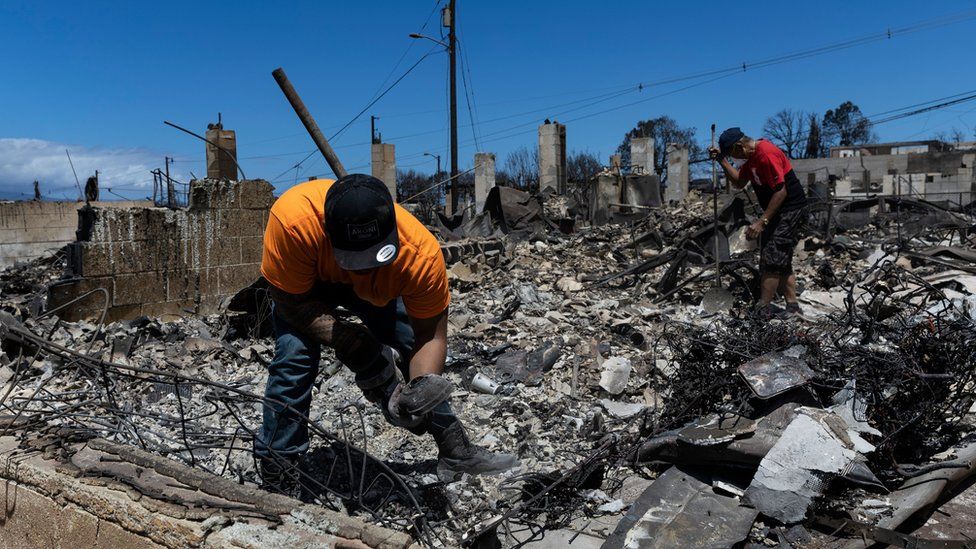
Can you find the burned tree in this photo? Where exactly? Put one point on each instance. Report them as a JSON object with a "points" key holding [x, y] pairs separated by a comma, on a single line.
{"points": [[787, 129]]}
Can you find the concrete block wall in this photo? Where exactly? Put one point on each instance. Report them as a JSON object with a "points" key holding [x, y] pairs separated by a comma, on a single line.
{"points": [[642, 155], [157, 261], [678, 172], [383, 165], [28, 229], [104, 495], [484, 178], [552, 157]]}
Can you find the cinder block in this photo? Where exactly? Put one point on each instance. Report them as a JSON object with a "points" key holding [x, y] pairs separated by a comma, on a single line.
{"points": [[234, 278], [225, 222], [62, 292], [209, 195], [107, 258], [139, 288], [253, 222], [215, 252], [182, 285], [119, 225], [208, 282], [252, 248], [256, 194]]}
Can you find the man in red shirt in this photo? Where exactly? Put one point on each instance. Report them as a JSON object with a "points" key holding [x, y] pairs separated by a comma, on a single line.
{"points": [[784, 207]]}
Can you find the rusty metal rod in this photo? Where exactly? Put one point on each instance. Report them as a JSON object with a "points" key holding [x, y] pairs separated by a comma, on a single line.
{"points": [[718, 261], [306, 117]]}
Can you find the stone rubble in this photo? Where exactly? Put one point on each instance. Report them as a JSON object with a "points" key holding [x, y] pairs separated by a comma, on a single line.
{"points": [[556, 346]]}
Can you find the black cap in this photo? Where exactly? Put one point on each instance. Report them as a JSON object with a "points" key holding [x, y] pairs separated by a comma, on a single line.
{"points": [[728, 138], [361, 223]]}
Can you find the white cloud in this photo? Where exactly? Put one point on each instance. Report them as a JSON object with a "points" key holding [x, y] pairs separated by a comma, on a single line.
{"points": [[24, 160]]}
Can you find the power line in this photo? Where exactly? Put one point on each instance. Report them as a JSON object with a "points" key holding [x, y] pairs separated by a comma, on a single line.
{"points": [[364, 109], [873, 120], [617, 91], [410, 45], [708, 76], [467, 97], [718, 74]]}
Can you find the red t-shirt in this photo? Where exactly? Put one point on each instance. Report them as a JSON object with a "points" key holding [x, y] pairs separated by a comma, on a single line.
{"points": [[767, 167]]}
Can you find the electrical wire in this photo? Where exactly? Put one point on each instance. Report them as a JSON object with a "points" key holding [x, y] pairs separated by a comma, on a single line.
{"points": [[467, 97]]}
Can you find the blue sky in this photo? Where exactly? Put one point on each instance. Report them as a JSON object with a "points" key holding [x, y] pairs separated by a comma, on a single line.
{"points": [[99, 78]]}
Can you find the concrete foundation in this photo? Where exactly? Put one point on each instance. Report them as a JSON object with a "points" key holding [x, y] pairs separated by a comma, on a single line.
{"points": [[642, 191], [552, 157], [612, 194], [678, 173], [30, 229], [642, 156], [105, 495], [158, 262], [484, 178], [605, 190], [383, 163]]}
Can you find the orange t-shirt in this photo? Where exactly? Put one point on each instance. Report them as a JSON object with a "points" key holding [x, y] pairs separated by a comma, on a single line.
{"points": [[297, 253]]}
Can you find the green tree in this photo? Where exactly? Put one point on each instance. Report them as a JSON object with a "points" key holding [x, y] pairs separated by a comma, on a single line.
{"points": [[815, 145], [846, 126]]}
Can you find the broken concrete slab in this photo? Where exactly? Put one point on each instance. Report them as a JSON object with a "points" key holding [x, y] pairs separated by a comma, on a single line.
{"points": [[798, 468], [680, 510]]}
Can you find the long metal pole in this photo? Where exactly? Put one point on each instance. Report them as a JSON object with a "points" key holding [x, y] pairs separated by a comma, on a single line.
{"points": [[718, 264], [170, 190], [452, 49], [306, 117]]}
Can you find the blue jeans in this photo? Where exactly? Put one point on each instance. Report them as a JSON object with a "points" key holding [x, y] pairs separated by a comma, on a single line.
{"points": [[284, 433]]}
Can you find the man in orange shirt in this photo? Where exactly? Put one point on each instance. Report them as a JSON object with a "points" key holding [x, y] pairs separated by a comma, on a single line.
{"points": [[347, 244]]}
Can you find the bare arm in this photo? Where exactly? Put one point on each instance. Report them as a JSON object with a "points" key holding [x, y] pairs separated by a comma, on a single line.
{"points": [[430, 345], [731, 173], [306, 314], [775, 202]]}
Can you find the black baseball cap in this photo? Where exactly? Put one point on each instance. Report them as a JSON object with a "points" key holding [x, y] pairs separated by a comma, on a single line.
{"points": [[728, 138], [360, 221]]}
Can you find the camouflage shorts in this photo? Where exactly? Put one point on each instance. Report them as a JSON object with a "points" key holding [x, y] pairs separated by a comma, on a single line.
{"points": [[778, 240]]}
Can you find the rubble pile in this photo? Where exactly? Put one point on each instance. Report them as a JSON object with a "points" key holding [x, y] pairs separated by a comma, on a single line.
{"points": [[619, 365]]}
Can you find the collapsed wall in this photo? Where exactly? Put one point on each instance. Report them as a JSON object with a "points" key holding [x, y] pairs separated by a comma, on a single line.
{"points": [[156, 261], [105, 495], [28, 229]]}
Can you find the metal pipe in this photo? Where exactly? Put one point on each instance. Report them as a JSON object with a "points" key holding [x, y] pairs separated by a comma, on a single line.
{"points": [[718, 262], [306, 117], [452, 197]]}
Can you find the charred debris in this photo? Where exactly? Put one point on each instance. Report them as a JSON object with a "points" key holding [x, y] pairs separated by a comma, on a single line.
{"points": [[649, 407]]}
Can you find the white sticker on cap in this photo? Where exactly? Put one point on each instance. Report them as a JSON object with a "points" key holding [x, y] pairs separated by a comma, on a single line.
{"points": [[385, 253]]}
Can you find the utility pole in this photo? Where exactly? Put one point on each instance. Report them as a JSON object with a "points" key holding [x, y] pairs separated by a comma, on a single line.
{"points": [[170, 190], [450, 20]]}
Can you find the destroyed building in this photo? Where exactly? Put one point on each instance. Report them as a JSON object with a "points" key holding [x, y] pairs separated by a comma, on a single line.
{"points": [[603, 334], [926, 170]]}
